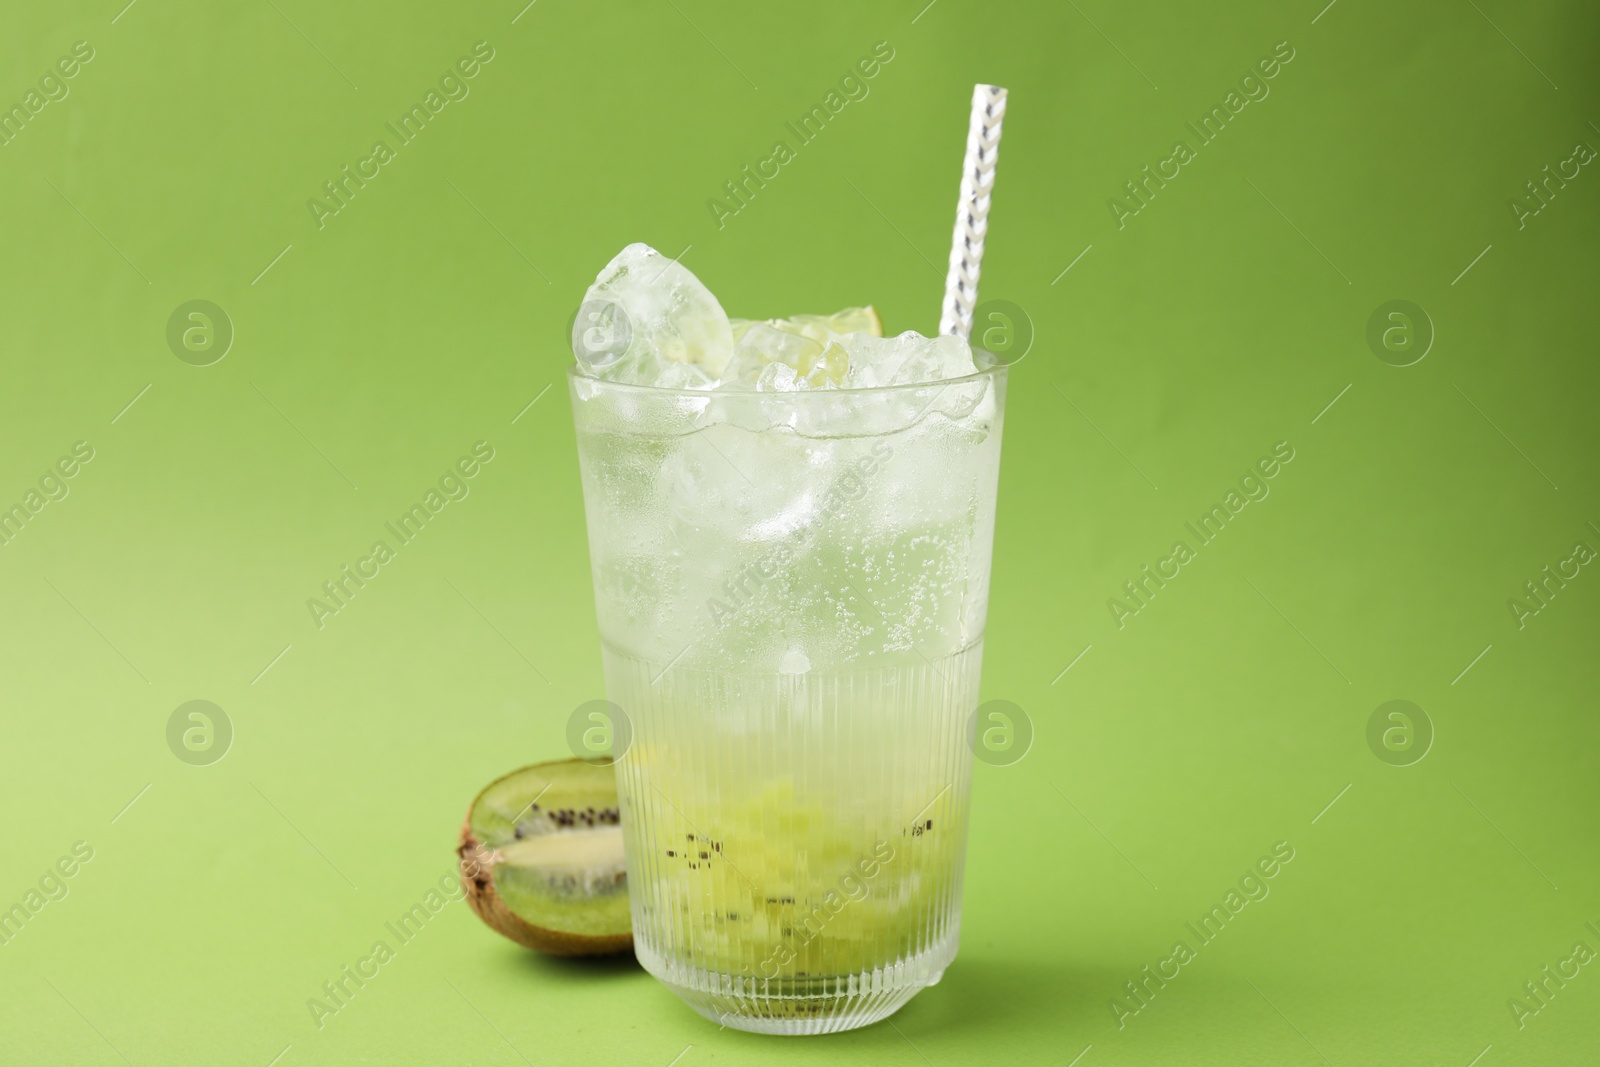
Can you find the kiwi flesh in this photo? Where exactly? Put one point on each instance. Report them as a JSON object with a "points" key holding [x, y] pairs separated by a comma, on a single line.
{"points": [[542, 859]]}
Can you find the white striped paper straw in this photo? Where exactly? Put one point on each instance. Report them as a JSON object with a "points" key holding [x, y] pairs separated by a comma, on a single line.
{"points": [[972, 214]]}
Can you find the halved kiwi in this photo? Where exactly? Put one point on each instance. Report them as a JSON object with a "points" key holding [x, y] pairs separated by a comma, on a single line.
{"points": [[542, 860]]}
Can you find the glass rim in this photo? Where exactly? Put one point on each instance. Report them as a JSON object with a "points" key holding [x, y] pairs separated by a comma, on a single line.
{"points": [[994, 371]]}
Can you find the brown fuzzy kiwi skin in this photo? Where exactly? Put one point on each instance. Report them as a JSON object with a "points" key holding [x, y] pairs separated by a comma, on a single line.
{"points": [[476, 880]]}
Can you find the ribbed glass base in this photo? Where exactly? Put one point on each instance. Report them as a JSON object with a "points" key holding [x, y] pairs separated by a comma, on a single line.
{"points": [[796, 1006]]}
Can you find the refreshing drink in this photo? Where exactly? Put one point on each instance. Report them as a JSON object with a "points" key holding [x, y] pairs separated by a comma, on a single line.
{"points": [[790, 527]]}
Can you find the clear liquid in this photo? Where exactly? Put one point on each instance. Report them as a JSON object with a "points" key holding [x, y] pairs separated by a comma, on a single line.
{"points": [[796, 841]]}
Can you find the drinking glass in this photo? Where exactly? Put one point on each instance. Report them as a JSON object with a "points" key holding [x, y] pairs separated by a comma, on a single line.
{"points": [[791, 590]]}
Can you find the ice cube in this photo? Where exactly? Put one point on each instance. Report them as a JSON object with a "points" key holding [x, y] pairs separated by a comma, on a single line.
{"points": [[815, 354], [907, 359], [778, 378], [647, 320], [682, 376], [760, 345]]}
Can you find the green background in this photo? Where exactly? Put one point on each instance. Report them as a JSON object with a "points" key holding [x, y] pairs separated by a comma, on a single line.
{"points": [[425, 316]]}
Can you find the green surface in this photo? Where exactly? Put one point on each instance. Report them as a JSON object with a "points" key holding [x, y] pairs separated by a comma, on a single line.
{"points": [[1222, 318]]}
